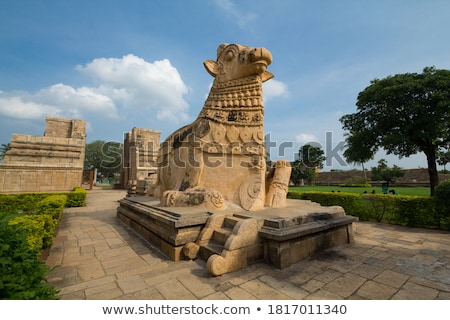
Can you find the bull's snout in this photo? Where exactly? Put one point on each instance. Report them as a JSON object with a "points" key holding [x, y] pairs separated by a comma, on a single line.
{"points": [[260, 55]]}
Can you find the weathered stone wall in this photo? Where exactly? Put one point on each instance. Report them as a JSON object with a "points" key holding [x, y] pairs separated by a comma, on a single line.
{"points": [[141, 147], [411, 177], [65, 128], [53, 162]]}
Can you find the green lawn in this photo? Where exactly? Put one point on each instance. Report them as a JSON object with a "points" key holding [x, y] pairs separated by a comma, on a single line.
{"points": [[405, 191]]}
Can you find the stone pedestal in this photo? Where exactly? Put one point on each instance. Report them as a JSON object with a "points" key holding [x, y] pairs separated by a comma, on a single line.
{"points": [[231, 239], [169, 230], [287, 245]]}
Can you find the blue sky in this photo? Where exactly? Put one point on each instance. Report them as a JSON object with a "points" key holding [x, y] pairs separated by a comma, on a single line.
{"points": [[137, 63]]}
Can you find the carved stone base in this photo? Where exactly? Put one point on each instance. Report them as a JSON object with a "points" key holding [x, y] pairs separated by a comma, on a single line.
{"points": [[231, 240], [285, 246], [168, 230], [194, 197]]}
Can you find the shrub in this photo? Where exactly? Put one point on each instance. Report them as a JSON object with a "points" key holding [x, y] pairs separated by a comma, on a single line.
{"points": [[22, 273], [33, 228], [415, 211], [356, 181], [27, 202], [356, 185], [76, 198], [52, 205], [7, 203], [442, 196], [40, 226], [380, 207], [349, 201]]}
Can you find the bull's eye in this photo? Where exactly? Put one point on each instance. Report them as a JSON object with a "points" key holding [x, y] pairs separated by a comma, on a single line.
{"points": [[229, 56], [242, 56]]}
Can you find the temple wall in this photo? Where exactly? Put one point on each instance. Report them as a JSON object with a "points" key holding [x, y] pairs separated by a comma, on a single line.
{"points": [[141, 147], [53, 162]]}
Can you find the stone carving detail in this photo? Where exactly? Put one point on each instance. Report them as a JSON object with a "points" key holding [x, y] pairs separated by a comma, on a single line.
{"points": [[222, 153], [278, 176], [192, 197]]}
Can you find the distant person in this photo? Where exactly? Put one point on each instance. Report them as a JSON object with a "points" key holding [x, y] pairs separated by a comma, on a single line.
{"points": [[384, 188]]}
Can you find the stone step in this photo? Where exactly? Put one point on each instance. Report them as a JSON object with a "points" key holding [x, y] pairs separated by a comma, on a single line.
{"points": [[230, 222], [221, 235], [208, 250]]}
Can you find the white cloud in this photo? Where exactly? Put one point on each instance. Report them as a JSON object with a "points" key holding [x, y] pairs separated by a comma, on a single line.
{"points": [[56, 100], [304, 138], [129, 83], [242, 19], [274, 88], [77, 101], [141, 85], [17, 107]]}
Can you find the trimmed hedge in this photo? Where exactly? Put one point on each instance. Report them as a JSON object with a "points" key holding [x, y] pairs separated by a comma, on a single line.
{"points": [[40, 227], [355, 185], [22, 273], [442, 195], [28, 224], [27, 202], [76, 198], [53, 206], [414, 211]]}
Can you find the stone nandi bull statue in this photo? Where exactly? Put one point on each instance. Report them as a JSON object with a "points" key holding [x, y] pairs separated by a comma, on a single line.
{"points": [[220, 158]]}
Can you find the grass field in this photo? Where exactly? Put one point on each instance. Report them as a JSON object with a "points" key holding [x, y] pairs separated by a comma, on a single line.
{"points": [[405, 191]]}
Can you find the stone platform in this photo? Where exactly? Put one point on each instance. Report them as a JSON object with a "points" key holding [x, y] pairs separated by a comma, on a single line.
{"points": [[231, 239]]}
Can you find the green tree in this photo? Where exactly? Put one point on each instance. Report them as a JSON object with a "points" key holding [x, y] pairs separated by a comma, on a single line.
{"points": [[443, 159], [305, 167], [311, 157], [382, 172], [404, 114], [355, 151], [3, 148], [300, 172], [106, 157]]}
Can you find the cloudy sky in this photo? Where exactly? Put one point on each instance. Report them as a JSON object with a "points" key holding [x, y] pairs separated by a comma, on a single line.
{"points": [[139, 63]]}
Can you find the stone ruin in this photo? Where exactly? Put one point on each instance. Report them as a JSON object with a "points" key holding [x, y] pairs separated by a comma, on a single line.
{"points": [[214, 198], [140, 160], [53, 162]]}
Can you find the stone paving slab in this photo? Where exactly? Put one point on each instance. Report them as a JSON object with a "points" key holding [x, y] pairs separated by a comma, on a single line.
{"points": [[98, 257]]}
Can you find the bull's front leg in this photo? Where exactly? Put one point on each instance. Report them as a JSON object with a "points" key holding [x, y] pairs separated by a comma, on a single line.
{"points": [[278, 183]]}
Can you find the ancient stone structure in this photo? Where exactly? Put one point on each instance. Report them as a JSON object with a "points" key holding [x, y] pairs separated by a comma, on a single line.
{"points": [[219, 159], [410, 178], [214, 198], [53, 162], [140, 156]]}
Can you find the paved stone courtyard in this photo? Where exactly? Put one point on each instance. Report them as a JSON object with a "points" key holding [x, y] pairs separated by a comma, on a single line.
{"points": [[98, 257]]}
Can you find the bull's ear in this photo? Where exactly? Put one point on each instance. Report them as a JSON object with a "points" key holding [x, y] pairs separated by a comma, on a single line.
{"points": [[212, 67], [266, 76]]}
